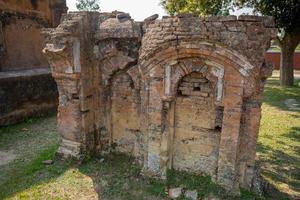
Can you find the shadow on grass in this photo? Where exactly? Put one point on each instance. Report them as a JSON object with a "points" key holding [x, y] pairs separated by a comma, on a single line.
{"points": [[279, 143], [115, 177], [118, 177], [33, 141], [275, 95], [281, 167], [293, 134], [24, 176]]}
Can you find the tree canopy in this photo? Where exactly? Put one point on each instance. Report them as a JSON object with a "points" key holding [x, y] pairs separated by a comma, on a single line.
{"points": [[199, 7], [285, 12], [88, 5]]}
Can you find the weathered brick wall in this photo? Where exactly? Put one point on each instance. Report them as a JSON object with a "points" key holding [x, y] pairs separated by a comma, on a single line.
{"points": [[26, 93], [69, 51], [234, 50], [21, 22], [125, 116], [182, 92], [21, 60], [47, 10], [197, 136], [23, 45]]}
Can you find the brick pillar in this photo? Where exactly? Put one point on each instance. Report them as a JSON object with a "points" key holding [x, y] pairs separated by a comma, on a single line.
{"points": [[74, 118], [248, 142], [154, 127], [167, 136], [227, 164], [69, 117]]}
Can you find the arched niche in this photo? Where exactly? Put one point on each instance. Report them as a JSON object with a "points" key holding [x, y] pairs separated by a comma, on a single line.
{"points": [[197, 128], [235, 79], [125, 132]]}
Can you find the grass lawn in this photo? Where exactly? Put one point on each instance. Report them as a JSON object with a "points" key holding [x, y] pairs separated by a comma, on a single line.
{"points": [[118, 177], [279, 139], [276, 48]]}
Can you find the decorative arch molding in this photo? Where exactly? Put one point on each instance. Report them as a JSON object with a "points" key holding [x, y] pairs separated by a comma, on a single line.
{"points": [[166, 68], [184, 68], [129, 68], [209, 52], [111, 61]]}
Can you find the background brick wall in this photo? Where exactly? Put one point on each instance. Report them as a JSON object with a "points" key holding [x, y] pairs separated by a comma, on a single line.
{"points": [[27, 88], [274, 58]]}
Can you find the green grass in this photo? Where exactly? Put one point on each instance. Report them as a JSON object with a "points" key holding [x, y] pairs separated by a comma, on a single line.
{"points": [[276, 48], [202, 184], [31, 142], [279, 139], [30, 174], [119, 177]]}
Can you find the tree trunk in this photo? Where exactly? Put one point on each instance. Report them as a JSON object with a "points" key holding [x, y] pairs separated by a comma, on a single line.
{"points": [[288, 45]]}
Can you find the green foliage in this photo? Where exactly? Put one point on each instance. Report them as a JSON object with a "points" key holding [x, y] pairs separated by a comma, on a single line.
{"points": [[88, 5], [198, 7], [285, 12]]}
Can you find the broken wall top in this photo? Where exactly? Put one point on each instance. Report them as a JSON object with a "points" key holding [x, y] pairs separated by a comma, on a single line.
{"points": [[243, 40], [249, 36], [119, 26]]}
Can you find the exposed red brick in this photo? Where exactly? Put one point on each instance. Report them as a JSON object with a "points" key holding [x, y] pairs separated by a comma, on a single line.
{"points": [[173, 92]]}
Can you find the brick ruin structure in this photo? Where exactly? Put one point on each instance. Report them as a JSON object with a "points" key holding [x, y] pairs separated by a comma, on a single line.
{"points": [[26, 85], [182, 92]]}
